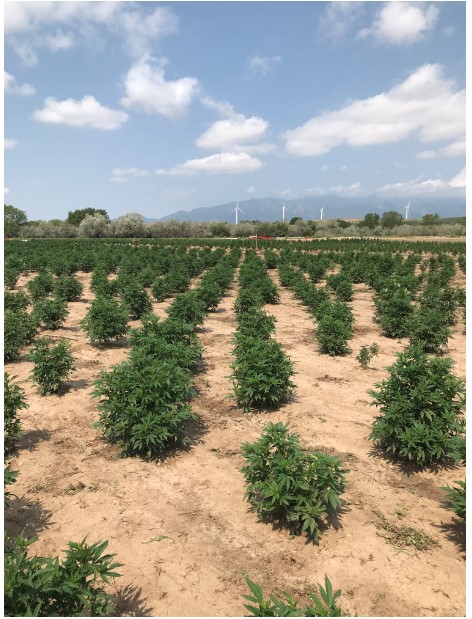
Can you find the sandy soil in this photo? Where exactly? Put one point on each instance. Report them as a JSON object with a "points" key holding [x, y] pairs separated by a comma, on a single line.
{"points": [[72, 484]]}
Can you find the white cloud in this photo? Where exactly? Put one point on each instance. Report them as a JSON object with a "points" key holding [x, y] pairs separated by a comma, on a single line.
{"points": [[425, 104], [60, 40], [402, 23], [230, 132], [224, 108], [458, 181], [354, 188], [262, 65], [343, 168], [13, 88], [251, 189], [420, 186], [215, 164], [9, 143], [324, 168], [456, 149], [85, 113], [338, 18], [28, 25], [148, 91], [119, 179], [124, 173], [6, 190]]}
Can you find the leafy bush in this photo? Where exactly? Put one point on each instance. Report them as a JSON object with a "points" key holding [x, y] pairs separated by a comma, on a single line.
{"points": [[51, 364], [68, 288], [421, 407], [9, 477], [332, 335], [261, 374], [11, 276], [19, 330], [247, 299], [16, 301], [325, 606], [105, 320], [13, 401], [255, 323], [341, 285], [51, 312], [457, 498], [136, 300], [187, 308], [394, 309], [142, 405], [210, 295], [43, 587], [161, 289], [40, 286], [427, 329], [291, 486], [366, 354], [462, 262]]}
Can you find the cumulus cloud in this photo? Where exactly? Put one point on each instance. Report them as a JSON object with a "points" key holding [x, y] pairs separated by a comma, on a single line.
{"points": [[251, 189], [215, 164], [425, 104], [402, 23], [338, 19], [129, 172], [456, 149], [9, 143], [458, 181], [235, 131], [420, 186], [28, 25], [85, 113], [147, 89], [11, 87], [262, 65], [6, 190]]}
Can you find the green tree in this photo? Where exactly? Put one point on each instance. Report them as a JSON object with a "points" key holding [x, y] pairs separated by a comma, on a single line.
{"points": [[220, 228], [75, 217], [430, 219], [391, 219], [294, 220], [371, 220], [343, 224], [14, 219], [130, 225]]}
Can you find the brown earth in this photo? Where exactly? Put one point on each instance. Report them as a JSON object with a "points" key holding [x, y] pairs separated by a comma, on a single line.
{"points": [[181, 527]]}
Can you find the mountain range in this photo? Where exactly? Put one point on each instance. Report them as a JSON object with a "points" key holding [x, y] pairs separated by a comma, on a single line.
{"points": [[270, 209]]}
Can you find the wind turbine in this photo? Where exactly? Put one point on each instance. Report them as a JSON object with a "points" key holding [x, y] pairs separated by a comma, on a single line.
{"points": [[235, 210], [407, 210], [321, 212], [283, 212]]}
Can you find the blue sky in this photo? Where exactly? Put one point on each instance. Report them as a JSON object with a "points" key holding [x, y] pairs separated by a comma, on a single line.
{"points": [[154, 107]]}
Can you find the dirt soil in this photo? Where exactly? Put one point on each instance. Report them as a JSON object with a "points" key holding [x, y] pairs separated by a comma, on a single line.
{"points": [[182, 528]]}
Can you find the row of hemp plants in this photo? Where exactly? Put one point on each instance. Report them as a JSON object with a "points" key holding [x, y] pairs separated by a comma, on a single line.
{"points": [[262, 372], [144, 402]]}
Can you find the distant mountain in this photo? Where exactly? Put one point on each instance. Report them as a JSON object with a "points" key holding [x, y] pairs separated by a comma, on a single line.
{"points": [[270, 209]]}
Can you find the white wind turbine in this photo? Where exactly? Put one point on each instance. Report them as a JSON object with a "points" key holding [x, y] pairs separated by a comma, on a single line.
{"points": [[283, 212], [235, 210], [321, 212], [407, 210]]}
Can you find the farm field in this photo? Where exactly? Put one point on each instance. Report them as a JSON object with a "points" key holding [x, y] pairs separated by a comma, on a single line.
{"points": [[180, 524]]}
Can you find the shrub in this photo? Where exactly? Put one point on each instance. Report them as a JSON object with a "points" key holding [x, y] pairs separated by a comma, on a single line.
{"points": [[325, 606], [40, 286], [161, 289], [261, 374], [428, 330], [210, 295], [291, 486], [39, 586], [366, 354], [247, 298], [16, 301], [421, 410], [68, 288], [13, 401], [187, 308], [9, 477], [51, 364], [394, 309], [19, 330], [142, 405], [255, 323], [105, 320], [136, 300], [51, 312], [332, 335], [11, 276], [457, 498], [341, 285]]}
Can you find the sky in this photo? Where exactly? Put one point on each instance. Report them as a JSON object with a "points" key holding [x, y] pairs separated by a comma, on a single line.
{"points": [[156, 107]]}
